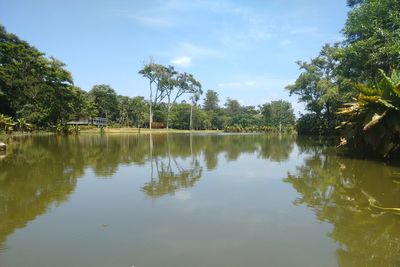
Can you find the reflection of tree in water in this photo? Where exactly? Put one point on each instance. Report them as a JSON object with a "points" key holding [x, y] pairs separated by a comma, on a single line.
{"points": [[276, 148], [171, 176], [42, 171], [339, 190], [33, 177]]}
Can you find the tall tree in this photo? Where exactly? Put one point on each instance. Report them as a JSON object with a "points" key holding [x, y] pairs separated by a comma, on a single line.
{"points": [[211, 100], [195, 97], [124, 110], [139, 108], [232, 106], [372, 39], [105, 100], [278, 113], [32, 86], [155, 73], [169, 84], [322, 91], [185, 84]]}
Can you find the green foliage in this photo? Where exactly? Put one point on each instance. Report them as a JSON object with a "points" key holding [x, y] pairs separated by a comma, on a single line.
{"points": [[32, 86], [6, 123], [322, 91], [211, 101], [373, 120], [259, 129], [170, 85], [23, 125], [353, 3], [64, 129], [217, 118], [180, 117], [311, 124], [232, 106], [372, 33], [105, 101], [139, 109], [277, 113]]}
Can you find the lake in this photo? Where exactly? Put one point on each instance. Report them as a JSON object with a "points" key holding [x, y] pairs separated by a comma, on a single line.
{"points": [[182, 200]]}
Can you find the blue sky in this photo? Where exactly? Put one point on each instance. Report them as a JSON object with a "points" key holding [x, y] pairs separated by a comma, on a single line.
{"points": [[245, 50]]}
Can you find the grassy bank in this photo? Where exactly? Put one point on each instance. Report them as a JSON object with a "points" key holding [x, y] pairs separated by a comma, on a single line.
{"points": [[111, 130]]}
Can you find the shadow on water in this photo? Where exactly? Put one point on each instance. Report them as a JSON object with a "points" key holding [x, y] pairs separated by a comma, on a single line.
{"points": [[340, 191], [42, 171]]}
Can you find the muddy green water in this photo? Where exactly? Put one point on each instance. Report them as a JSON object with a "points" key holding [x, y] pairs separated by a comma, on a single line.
{"points": [[183, 200]]}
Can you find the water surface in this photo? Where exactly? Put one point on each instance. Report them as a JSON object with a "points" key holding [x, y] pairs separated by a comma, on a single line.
{"points": [[194, 200]]}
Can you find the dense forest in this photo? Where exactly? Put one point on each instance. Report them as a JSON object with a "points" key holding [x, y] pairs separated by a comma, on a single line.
{"points": [[351, 88]]}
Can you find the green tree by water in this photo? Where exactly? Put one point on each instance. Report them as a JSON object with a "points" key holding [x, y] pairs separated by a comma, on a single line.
{"points": [[139, 109], [373, 121], [322, 91], [32, 86], [105, 100], [278, 113], [372, 40], [211, 101], [155, 73]]}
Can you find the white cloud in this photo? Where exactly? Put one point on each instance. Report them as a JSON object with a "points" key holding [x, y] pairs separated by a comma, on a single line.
{"points": [[183, 54], [183, 62], [194, 50], [285, 42]]}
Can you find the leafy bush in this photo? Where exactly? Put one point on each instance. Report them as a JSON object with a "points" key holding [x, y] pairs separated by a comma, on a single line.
{"points": [[158, 125], [258, 129], [373, 119]]}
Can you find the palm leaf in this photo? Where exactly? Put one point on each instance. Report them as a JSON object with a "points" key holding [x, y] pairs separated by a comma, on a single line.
{"points": [[387, 104], [365, 90], [374, 120]]}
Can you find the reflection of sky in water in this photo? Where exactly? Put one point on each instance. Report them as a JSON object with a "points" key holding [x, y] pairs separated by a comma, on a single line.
{"points": [[183, 195]]}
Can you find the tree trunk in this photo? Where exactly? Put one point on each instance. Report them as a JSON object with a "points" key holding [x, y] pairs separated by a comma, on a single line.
{"points": [[151, 117], [191, 117], [151, 111], [169, 110]]}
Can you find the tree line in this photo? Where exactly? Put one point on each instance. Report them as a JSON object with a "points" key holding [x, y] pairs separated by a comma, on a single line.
{"points": [[352, 88], [38, 92]]}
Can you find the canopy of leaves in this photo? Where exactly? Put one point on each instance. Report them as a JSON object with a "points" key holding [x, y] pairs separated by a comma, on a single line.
{"points": [[105, 100], [32, 86], [277, 113], [211, 100], [372, 33]]}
